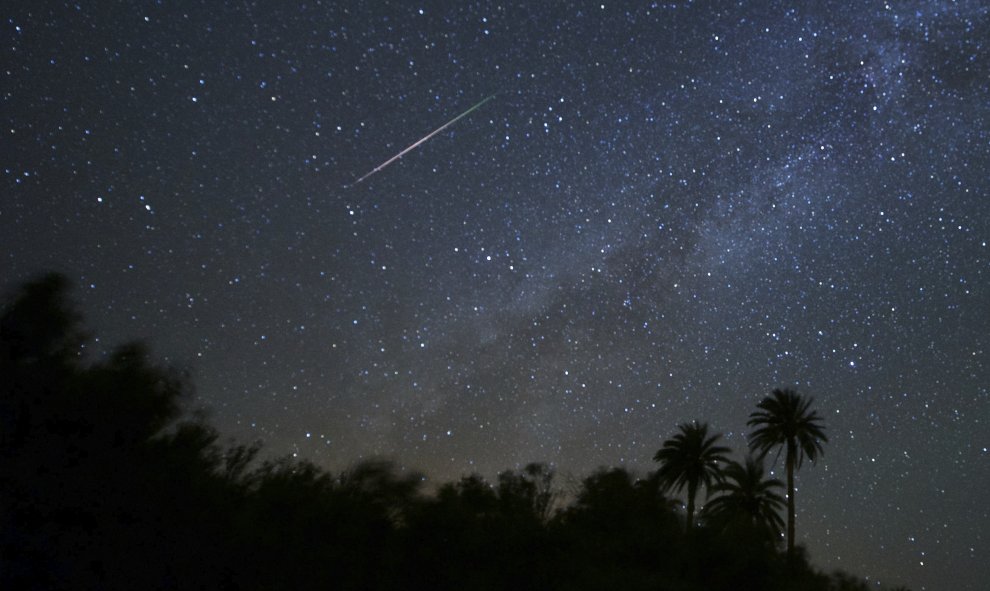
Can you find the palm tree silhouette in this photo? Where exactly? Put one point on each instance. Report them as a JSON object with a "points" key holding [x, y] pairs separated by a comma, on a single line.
{"points": [[784, 420], [690, 458], [747, 497]]}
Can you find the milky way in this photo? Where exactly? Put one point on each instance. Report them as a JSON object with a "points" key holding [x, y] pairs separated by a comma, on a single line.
{"points": [[665, 212]]}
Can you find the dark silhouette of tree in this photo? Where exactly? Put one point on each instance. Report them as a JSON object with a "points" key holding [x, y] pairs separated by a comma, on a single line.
{"points": [[309, 529], [472, 495], [40, 341], [476, 535], [785, 420], [530, 491], [449, 541], [106, 482], [377, 484], [747, 498], [39, 324], [98, 479], [620, 532], [690, 459], [235, 464]]}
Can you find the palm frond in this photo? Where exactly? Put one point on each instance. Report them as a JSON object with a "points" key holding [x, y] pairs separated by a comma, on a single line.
{"points": [[785, 418], [746, 496]]}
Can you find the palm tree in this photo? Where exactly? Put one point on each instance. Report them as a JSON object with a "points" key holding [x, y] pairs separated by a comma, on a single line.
{"points": [[747, 497], [690, 458], [784, 420]]}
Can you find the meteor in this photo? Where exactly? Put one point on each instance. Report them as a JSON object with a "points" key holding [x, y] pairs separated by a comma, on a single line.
{"points": [[415, 145]]}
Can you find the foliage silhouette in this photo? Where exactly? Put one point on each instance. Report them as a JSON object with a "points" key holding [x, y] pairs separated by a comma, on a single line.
{"points": [[105, 482], [691, 459], [94, 488], [620, 531], [785, 420], [747, 499], [528, 492]]}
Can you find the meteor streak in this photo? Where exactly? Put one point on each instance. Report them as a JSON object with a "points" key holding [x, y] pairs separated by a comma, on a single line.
{"points": [[415, 145]]}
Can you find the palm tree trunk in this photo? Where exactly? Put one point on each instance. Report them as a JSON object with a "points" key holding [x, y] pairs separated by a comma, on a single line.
{"points": [[791, 451], [692, 490]]}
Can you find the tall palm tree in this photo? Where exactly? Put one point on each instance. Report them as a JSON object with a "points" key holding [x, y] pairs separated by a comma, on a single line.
{"points": [[784, 419], [747, 497], [690, 459]]}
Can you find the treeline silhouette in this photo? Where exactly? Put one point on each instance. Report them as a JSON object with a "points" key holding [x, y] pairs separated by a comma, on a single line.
{"points": [[106, 483]]}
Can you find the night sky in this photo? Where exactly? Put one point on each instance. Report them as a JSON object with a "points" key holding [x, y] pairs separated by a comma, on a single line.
{"points": [[666, 211]]}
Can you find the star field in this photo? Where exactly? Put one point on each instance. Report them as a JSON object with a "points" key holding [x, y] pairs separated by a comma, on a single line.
{"points": [[667, 210]]}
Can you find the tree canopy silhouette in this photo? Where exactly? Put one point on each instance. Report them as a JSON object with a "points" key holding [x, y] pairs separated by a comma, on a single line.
{"points": [[107, 481]]}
